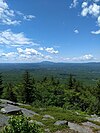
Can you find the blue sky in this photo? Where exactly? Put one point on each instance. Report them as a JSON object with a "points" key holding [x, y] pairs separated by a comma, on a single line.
{"points": [[49, 30]]}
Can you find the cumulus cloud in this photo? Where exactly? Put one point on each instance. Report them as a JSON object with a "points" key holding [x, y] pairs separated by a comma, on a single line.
{"points": [[10, 54], [41, 48], [90, 8], [95, 32], [85, 58], [24, 55], [51, 50], [29, 17], [8, 16], [7, 37], [74, 4], [28, 51], [48, 57], [93, 10], [96, 0], [84, 4], [84, 11], [98, 21], [76, 31]]}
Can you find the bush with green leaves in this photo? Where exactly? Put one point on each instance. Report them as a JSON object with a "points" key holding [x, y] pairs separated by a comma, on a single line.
{"points": [[21, 124]]}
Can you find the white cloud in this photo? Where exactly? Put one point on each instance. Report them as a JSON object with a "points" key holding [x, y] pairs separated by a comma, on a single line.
{"points": [[20, 50], [41, 48], [28, 17], [96, 0], [98, 21], [95, 32], [7, 37], [92, 9], [85, 58], [76, 31], [84, 4], [9, 55], [51, 50], [8, 16], [28, 51], [74, 4], [47, 57], [84, 11], [29, 54]]}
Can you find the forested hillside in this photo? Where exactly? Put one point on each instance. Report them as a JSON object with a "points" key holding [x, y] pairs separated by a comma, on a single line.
{"points": [[87, 73], [72, 95]]}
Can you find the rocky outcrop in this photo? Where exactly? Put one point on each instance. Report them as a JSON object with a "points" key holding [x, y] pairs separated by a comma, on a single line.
{"points": [[3, 120], [13, 109], [28, 113], [94, 118], [59, 123], [9, 107], [79, 128], [46, 117], [37, 122]]}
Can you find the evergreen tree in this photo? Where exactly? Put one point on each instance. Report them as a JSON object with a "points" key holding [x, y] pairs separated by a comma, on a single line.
{"points": [[97, 94], [70, 82], [1, 85], [27, 88], [8, 93], [44, 80]]}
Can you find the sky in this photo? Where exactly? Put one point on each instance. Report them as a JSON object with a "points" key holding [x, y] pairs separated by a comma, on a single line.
{"points": [[49, 30]]}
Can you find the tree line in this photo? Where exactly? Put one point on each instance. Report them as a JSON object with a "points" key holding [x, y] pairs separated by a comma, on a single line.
{"points": [[50, 92]]}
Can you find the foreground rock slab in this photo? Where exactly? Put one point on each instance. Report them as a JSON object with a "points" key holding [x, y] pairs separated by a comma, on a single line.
{"points": [[28, 113], [90, 124], [80, 128], [94, 118], [10, 109]]}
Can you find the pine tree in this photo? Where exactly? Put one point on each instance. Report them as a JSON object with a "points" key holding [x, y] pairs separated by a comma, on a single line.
{"points": [[97, 94], [70, 82], [1, 85], [27, 88], [8, 93]]}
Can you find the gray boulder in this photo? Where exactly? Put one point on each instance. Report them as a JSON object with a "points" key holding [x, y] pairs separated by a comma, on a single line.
{"points": [[3, 120], [46, 117], [37, 122], [94, 118], [10, 109], [27, 112], [58, 123], [79, 128], [8, 102], [90, 124]]}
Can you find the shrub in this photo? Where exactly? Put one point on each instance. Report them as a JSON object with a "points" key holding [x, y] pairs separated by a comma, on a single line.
{"points": [[21, 124]]}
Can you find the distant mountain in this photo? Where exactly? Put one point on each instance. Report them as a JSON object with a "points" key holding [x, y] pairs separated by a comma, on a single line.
{"points": [[47, 62]]}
